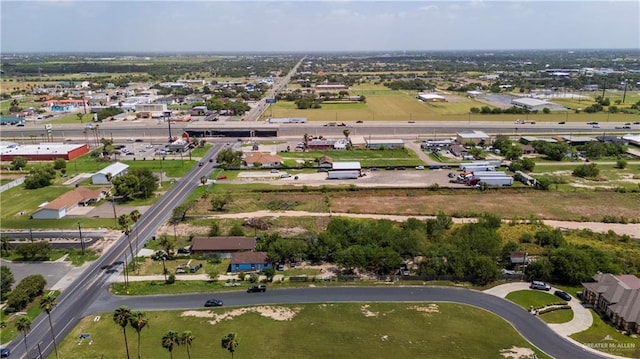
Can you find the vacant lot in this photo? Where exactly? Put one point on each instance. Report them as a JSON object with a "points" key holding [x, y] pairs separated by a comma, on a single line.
{"points": [[377, 330]]}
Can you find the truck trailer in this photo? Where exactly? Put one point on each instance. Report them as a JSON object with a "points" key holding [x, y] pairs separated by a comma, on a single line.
{"points": [[497, 181], [354, 174]]}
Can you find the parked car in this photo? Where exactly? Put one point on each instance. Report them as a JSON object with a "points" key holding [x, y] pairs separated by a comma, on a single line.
{"points": [[419, 167], [213, 303], [285, 175], [280, 266], [257, 288], [5, 352], [540, 285], [196, 267], [563, 295], [181, 271], [274, 171]]}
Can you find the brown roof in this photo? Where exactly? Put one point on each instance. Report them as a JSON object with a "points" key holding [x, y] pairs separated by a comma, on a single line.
{"points": [[79, 194], [223, 243], [249, 257], [262, 158]]}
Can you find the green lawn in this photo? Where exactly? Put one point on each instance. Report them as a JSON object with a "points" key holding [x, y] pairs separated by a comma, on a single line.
{"points": [[151, 267], [334, 331], [10, 332], [528, 298], [558, 316], [597, 337]]}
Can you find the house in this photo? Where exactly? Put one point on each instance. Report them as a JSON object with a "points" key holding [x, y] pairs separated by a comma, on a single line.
{"points": [[260, 159], [325, 162], [472, 136], [527, 149], [617, 297], [222, 247], [105, 175], [249, 262], [458, 150], [61, 206], [519, 258]]}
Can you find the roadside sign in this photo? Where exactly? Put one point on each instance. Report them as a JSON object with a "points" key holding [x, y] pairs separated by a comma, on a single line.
{"points": [[48, 126], [270, 100]]}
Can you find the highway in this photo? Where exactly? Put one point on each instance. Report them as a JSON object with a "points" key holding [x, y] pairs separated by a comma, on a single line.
{"points": [[529, 326], [76, 299], [152, 130]]}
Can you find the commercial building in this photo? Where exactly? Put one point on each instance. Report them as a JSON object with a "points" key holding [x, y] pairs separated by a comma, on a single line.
{"points": [[617, 297], [431, 97], [385, 143], [105, 175], [472, 136], [532, 104], [61, 206], [46, 151]]}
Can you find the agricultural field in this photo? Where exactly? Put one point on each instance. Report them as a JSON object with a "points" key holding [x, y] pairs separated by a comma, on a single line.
{"points": [[372, 330]]}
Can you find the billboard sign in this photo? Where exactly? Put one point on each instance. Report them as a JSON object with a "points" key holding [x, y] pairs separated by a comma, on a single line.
{"points": [[270, 100]]}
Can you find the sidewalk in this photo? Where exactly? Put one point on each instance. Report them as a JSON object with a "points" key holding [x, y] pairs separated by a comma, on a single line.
{"points": [[582, 319]]}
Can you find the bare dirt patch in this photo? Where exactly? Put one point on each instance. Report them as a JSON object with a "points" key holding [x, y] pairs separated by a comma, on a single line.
{"points": [[182, 229], [272, 312], [367, 313], [428, 309], [518, 353]]}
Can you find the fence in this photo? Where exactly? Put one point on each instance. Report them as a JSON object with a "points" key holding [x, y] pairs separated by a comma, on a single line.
{"points": [[12, 184]]}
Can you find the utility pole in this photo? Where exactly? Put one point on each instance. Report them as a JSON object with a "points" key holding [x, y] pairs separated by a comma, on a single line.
{"points": [[624, 95], [81, 240]]}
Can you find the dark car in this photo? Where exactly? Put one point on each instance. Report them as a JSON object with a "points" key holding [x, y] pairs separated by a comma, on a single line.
{"points": [[213, 303], [563, 295], [5, 352], [196, 267], [257, 288], [561, 123]]}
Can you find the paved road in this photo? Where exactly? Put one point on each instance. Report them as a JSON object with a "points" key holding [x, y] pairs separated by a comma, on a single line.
{"points": [[91, 283], [531, 327]]}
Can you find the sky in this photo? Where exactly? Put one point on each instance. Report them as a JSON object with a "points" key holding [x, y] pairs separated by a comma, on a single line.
{"points": [[315, 26]]}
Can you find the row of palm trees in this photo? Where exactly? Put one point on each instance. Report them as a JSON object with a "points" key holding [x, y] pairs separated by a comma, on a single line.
{"points": [[124, 317], [23, 324]]}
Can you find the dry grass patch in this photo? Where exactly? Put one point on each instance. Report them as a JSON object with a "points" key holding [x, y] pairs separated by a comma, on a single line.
{"points": [[272, 312], [518, 353]]}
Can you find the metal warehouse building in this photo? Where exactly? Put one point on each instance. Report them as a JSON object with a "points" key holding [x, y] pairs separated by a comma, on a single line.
{"points": [[46, 151]]}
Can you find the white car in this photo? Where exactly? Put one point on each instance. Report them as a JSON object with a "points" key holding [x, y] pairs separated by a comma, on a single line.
{"points": [[419, 167]]}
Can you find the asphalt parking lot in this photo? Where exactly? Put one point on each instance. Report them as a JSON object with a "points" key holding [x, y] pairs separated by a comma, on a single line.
{"points": [[51, 271]]}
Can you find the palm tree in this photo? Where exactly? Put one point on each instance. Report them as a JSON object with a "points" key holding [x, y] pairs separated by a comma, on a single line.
{"points": [[135, 217], [23, 324], [230, 342], [186, 339], [121, 317], [169, 340], [47, 302], [138, 321]]}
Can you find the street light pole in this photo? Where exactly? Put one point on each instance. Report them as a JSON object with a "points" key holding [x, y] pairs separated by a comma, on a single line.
{"points": [[81, 240]]}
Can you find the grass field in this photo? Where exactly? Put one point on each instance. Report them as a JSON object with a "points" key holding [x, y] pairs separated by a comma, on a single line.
{"points": [[557, 316], [598, 338], [334, 331]]}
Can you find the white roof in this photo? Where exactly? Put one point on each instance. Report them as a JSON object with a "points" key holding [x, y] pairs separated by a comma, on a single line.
{"points": [[346, 166], [527, 101], [472, 134], [114, 168], [430, 96], [384, 142], [44, 148]]}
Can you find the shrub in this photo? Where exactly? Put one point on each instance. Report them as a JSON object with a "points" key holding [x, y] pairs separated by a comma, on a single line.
{"points": [[171, 279]]}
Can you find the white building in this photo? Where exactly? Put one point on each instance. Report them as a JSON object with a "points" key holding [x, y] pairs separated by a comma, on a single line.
{"points": [[531, 104], [431, 97], [114, 170], [471, 136]]}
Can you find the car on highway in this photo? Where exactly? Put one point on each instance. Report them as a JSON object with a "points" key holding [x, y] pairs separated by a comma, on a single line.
{"points": [[540, 285], [563, 295], [257, 288], [596, 126], [5, 352], [200, 164], [213, 303], [419, 167], [561, 123]]}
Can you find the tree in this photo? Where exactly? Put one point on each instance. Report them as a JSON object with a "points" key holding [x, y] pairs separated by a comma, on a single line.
{"points": [[236, 230], [23, 324], [121, 316], [228, 158], [167, 244], [47, 303], [147, 181], [589, 170], [186, 339], [219, 202], [346, 133], [230, 343], [6, 281], [540, 269], [126, 185], [621, 164], [5, 243], [80, 116], [170, 340], [214, 229], [138, 321], [203, 180], [39, 177], [18, 163]]}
